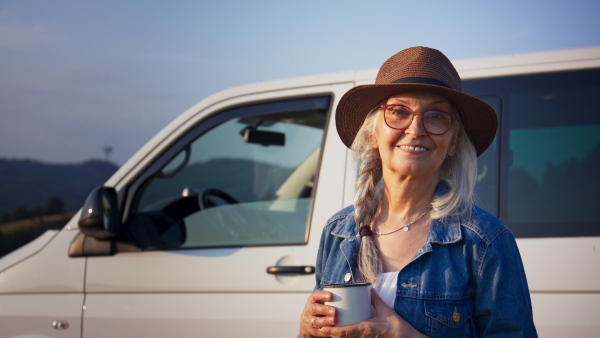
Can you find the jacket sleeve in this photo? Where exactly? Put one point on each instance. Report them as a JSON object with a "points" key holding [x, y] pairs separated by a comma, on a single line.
{"points": [[321, 257], [503, 305]]}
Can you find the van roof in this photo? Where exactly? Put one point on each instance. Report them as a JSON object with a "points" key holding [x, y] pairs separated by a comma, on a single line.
{"points": [[468, 68]]}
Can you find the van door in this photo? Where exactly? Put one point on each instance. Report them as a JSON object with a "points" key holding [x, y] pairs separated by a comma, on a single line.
{"points": [[240, 261]]}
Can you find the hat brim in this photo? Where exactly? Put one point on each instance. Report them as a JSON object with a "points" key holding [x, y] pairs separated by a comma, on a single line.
{"points": [[477, 117]]}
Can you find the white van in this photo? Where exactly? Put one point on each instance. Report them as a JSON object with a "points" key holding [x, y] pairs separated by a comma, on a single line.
{"points": [[212, 228]]}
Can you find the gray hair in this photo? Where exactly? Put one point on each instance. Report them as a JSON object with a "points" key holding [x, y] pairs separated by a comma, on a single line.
{"points": [[459, 171]]}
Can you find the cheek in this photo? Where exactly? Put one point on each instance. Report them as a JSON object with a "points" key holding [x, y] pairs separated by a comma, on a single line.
{"points": [[385, 136]]}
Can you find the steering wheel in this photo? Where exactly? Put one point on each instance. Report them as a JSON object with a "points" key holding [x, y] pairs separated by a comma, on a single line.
{"points": [[204, 198]]}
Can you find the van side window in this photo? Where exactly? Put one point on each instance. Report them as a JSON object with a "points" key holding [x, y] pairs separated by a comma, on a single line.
{"points": [[550, 141], [252, 173]]}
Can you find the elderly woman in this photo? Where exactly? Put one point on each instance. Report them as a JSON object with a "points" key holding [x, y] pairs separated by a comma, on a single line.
{"points": [[440, 266]]}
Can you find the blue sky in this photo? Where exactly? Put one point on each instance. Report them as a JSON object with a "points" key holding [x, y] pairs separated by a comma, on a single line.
{"points": [[78, 75]]}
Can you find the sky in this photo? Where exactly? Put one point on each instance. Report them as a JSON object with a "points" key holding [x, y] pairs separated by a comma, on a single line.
{"points": [[76, 76]]}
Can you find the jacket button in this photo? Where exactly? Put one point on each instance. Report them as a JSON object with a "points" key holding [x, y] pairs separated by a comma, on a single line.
{"points": [[347, 277], [456, 316]]}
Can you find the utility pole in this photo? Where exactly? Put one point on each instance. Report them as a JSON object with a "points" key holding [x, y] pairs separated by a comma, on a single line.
{"points": [[107, 150]]}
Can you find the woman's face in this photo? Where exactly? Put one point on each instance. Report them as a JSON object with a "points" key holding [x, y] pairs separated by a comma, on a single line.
{"points": [[413, 151]]}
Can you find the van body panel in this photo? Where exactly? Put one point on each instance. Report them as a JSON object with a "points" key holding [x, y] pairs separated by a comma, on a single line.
{"points": [[203, 270], [568, 265], [33, 315], [42, 286], [566, 314], [194, 315], [47, 270], [25, 251]]}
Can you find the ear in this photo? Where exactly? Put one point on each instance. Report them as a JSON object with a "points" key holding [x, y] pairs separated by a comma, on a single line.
{"points": [[373, 141], [453, 147], [453, 150]]}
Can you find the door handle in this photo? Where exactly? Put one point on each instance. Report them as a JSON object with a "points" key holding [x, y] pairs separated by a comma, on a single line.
{"points": [[291, 269]]}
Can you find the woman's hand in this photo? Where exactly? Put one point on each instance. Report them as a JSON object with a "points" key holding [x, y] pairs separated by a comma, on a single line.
{"points": [[386, 323], [316, 315]]}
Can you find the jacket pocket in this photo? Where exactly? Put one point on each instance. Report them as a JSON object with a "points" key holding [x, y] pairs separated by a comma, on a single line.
{"points": [[452, 314]]}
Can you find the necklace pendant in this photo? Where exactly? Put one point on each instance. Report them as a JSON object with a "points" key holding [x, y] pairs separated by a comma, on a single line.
{"points": [[405, 229]]}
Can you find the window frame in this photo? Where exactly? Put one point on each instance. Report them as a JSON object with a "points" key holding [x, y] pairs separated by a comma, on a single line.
{"points": [[211, 121]]}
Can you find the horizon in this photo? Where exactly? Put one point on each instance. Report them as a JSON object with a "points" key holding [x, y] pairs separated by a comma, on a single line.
{"points": [[80, 162]]}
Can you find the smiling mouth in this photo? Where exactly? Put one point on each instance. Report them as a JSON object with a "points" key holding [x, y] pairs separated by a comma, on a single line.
{"points": [[411, 148]]}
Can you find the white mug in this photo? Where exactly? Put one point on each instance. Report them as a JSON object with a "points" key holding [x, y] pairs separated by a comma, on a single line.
{"points": [[352, 300]]}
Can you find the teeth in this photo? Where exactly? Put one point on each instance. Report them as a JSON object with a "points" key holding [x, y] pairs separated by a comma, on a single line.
{"points": [[413, 148]]}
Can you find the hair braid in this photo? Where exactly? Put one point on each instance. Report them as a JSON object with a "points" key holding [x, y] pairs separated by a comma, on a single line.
{"points": [[367, 198]]}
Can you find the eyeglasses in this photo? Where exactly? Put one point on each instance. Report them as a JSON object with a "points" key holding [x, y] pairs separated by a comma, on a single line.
{"points": [[399, 117]]}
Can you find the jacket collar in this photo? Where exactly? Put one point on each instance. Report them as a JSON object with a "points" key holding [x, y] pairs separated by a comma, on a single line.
{"points": [[444, 232], [345, 227]]}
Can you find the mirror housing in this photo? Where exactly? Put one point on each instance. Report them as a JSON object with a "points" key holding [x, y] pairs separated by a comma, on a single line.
{"points": [[100, 215]]}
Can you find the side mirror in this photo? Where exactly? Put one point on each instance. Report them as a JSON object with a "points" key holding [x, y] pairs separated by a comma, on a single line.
{"points": [[99, 216]]}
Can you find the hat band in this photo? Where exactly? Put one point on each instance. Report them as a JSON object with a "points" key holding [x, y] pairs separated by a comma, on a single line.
{"points": [[421, 80]]}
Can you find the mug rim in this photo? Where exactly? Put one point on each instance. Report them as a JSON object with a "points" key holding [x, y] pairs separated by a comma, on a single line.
{"points": [[344, 285]]}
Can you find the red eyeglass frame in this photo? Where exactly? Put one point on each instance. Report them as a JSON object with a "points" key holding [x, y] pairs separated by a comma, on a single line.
{"points": [[385, 107]]}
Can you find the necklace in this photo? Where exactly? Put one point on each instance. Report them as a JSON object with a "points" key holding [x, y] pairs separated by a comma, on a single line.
{"points": [[404, 227]]}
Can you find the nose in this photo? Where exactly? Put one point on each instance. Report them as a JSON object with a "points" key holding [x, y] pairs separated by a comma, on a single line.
{"points": [[416, 126]]}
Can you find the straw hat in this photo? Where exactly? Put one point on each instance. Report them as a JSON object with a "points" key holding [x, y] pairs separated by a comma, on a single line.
{"points": [[417, 68]]}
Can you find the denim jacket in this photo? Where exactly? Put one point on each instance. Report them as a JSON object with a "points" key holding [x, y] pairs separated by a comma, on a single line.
{"points": [[466, 281]]}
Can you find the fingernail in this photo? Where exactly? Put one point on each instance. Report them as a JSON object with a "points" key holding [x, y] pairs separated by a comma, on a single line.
{"points": [[332, 312]]}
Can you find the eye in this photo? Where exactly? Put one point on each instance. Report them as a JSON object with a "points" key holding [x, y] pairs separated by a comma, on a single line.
{"points": [[399, 111], [437, 115]]}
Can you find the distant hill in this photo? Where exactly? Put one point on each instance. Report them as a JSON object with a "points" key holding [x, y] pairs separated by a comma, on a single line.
{"points": [[29, 184]]}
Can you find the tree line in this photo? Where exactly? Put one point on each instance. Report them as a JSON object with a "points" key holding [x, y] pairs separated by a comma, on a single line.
{"points": [[54, 205]]}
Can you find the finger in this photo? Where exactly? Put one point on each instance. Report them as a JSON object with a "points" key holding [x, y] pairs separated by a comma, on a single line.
{"points": [[319, 296], [317, 309], [342, 331], [321, 322]]}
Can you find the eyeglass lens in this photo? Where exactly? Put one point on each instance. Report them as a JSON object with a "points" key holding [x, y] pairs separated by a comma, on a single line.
{"points": [[400, 117]]}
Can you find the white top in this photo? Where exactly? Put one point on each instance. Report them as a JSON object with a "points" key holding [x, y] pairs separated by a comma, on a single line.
{"points": [[386, 285]]}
